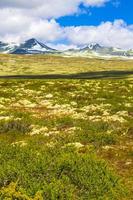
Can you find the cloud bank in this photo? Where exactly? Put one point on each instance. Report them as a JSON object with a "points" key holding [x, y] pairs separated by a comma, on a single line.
{"points": [[22, 19], [48, 9], [116, 34]]}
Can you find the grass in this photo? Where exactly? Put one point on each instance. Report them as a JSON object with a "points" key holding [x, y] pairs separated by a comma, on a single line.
{"points": [[66, 139], [46, 64]]}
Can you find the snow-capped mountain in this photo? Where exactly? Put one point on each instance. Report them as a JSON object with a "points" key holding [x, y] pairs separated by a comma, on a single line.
{"points": [[31, 46], [95, 50], [92, 46], [105, 50], [7, 47]]}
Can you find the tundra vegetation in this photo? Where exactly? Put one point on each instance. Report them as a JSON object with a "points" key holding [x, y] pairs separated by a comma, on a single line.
{"points": [[66, 139], [47, 64]]}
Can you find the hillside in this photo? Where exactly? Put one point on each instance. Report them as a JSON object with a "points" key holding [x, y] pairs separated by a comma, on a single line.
{"points": [[46, 64], [68, 133], [92, 50], [66, 139]]}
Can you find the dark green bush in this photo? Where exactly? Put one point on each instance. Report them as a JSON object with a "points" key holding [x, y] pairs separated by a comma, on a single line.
{"points": [[58, 173], [19, 126]]}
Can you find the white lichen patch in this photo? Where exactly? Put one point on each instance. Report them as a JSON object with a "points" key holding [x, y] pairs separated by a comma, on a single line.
{"points": [[19, 143], [77, 145], [27, 103], [49, 96], [37, 130], [6, 118]]}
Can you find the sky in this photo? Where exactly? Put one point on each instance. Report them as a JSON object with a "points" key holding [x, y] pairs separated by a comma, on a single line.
{"points": [[64, 24]]}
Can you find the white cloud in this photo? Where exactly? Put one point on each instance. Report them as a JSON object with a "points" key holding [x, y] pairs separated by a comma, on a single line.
{"points": [[22, 19], [48, 9], [16, 27], [62, 46], [95, 2], [116, 34], [39, 3], [41, 8]]}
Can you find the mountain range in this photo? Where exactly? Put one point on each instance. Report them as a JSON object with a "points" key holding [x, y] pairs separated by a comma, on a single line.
{"points": [[33, 46]]}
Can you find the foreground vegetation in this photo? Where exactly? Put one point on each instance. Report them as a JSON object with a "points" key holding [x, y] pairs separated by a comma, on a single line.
{"points": [[46, 64], [66, 139]]}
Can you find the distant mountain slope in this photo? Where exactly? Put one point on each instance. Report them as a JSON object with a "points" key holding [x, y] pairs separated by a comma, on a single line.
{"points": [[7, 47], [33, 46], [95, 50]]}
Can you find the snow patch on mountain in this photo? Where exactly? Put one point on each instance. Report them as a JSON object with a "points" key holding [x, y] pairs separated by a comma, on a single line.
{"points": [[33, 46]]}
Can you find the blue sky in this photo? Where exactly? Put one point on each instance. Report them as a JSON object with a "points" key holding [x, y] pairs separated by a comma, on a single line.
{"points": [[66, 24], [119, 9]]}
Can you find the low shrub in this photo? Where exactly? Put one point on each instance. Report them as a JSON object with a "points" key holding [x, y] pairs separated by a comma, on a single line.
{"points": [[19, 126], [58, 173]]}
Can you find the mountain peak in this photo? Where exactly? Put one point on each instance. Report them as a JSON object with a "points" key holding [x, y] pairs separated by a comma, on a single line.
{"points": [[30, 43], [33, 46], [32, 39], [92, 46]]}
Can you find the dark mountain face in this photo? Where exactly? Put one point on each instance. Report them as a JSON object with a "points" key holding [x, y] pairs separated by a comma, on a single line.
{"points": [[96, 50], [33, 46], [2, 44], [7, 47], [19, 51], [31, 43], [91, 47]]}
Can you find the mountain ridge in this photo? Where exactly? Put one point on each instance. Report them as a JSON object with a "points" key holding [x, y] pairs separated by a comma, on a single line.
{"points": [[33, 46]]}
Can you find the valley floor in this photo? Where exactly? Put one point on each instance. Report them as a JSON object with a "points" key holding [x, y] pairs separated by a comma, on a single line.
{"points": [[63, 67], [66, 139]]}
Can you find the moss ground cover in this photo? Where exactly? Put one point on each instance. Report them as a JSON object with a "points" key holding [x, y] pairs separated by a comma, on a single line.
{"points": [[66, 139], [46, 64]]}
